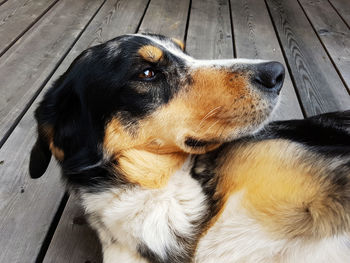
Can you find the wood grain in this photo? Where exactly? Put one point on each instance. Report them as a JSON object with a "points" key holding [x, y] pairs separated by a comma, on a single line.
{"points": [[333, 32], [27, 65], [343, 8], [209, 32], [124, 17], [255, 38], [166, 17], [74, 241], [27, 207], [318, 84], [2, 2], [71, 242], [17, 16]]}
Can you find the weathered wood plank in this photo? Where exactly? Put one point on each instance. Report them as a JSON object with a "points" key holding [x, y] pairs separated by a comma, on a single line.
{"points": [[209, 32], [333, 32], [318, 83], [124, 19], [166, 17], [2, 2], [17, 16], [25, 67], [27, 207], [72, 243], [255, 38], [343, 8], [116, 17]]}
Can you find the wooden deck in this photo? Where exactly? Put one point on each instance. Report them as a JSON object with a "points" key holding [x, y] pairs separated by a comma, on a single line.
{"points": [[40, 38]]}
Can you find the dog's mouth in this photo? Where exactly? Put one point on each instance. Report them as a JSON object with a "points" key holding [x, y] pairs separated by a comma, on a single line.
{"points": [[203, 143], [198, 146], [197, 143]]}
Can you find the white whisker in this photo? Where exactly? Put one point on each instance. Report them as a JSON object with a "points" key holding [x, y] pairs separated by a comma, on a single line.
{"points": [[208, 115]]}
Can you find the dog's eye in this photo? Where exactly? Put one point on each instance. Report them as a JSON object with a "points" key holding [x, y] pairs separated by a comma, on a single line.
{"points": [[147, 74]]}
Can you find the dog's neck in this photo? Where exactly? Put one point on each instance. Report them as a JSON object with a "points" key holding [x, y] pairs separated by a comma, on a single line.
{"points": [[147, 168]]}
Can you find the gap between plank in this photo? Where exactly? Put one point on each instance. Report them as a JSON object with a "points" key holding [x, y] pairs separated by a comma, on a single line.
{"points": [[36, 94], [187, 22], [341, 17], [286, 61], [325, 48], [56, 219], [3, 2], [60, 210], [142, 17], [232, 31], [27, 28], [52, 229]]}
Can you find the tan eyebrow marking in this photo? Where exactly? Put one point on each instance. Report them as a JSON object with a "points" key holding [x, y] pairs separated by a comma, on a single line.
{"points": [[151, 53], [179, 43]]}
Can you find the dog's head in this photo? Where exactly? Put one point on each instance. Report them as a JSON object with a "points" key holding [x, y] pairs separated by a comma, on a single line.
{"points": [[144, 92]]}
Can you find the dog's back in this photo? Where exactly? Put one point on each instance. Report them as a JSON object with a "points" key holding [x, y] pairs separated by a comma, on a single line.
{"points": [[282, 195]]}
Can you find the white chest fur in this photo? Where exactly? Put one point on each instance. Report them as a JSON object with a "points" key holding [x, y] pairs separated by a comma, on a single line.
{"points": [[131, 216], [127, 217]]}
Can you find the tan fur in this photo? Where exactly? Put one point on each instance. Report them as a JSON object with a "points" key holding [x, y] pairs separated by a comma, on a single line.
{"points": [[217, 103], [57, 152], [48, 132], [142, 160], [151, 53], [195, 112], [148, 169], [284, 189], [179, 43]]}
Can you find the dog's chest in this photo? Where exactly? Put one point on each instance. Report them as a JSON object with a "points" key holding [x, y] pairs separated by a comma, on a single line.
{"points": [[164, 221]]}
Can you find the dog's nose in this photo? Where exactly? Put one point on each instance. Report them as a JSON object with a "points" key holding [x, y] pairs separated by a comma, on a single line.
{"points": [[269, 76]]}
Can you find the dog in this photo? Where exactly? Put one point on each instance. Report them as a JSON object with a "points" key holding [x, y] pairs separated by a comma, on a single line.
{"points": [[174, 160]]}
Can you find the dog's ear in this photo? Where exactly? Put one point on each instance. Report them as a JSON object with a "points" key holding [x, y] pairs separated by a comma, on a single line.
{"points": [[59, 119], [40, 156]]}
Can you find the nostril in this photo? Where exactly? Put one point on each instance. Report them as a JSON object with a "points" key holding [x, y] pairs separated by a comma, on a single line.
{"points": [[269, 75], [280, 78]]}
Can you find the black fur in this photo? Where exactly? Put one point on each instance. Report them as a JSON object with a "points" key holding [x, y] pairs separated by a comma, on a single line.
{"points": [[103, 81], [326, 133]]}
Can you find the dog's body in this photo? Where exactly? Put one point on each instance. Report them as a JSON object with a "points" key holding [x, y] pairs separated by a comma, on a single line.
{"points": [[288, 200], [142, 132]]}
